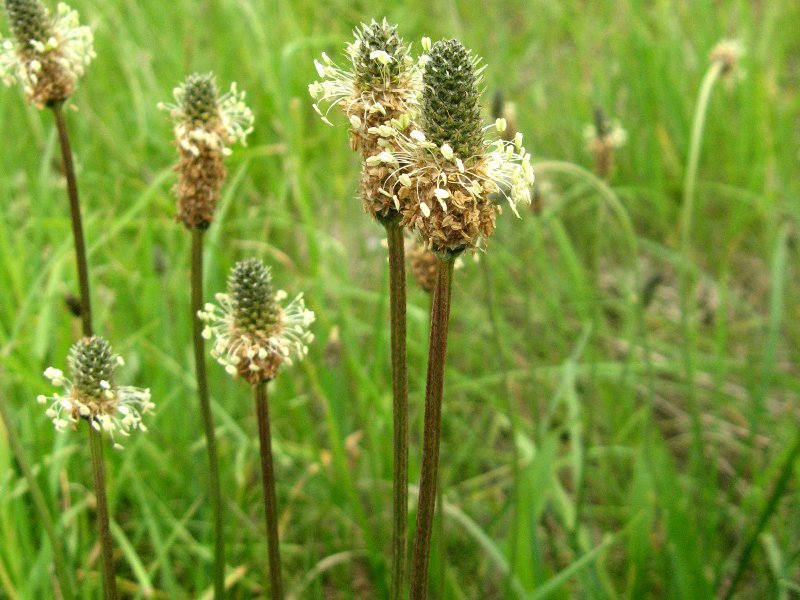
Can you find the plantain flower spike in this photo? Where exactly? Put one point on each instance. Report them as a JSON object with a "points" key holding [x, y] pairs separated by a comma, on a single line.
{"points": [[424, 265], [253, 334], [728, 55], [379, 94], [93, 394], [47, 54], [603, 138], [446, 173], [206, 125]]}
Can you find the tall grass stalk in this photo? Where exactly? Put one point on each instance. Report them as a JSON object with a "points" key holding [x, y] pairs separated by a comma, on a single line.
{"points": [[95, 437], [215, 492], [397, 301], [437, 351], [268, 483], [63, 579], [686, 279]]}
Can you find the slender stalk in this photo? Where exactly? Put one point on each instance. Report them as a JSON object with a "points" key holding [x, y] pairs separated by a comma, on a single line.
{"points": [[103, 529], [268, 481], [437, 351], [215, 492], [397, 301], [686, 284], [77, 223], [95, 437], [42, 512]]}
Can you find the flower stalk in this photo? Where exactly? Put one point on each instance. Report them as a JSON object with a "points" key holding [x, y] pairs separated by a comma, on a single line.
{"points": [[397, 302], [268, 483], [198, 344], [437, 351]]}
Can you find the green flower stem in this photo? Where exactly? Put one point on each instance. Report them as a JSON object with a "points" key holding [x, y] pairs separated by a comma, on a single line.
{"points": [[686, 279], [397, 301], [437, 351], [268, 481], [43, 513], [215, 492], [103, 529]]}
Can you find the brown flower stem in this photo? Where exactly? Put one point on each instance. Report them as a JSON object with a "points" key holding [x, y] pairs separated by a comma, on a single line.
{"points": [[103, 529], [215, 492], [437, 351], [77, 225], [268, 481], [397, 301], [42, 512]]}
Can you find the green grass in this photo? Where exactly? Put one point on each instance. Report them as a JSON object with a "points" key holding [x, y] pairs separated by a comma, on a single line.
{"points": [[570, 461]]}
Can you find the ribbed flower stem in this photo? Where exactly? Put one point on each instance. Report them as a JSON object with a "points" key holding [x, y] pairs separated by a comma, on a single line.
{"points": [[397, 301], [42, 512], [215, 492], [77, 225], [268, 481], [103, 528], [437, 351]]}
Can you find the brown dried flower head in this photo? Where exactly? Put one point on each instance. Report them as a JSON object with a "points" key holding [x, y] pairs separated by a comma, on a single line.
{"points": [[206, 125], [424, 265], [377, 93]]}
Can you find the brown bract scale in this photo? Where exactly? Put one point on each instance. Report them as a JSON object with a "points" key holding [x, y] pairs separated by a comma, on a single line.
{"points": [[201, 173], [375, 178], [460, 222]]}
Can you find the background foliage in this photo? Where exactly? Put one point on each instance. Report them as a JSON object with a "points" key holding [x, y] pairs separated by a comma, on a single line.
{"points": [[579, 459]]}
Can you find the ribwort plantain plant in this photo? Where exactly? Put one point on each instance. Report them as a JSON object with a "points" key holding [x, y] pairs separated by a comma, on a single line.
{"points": [[253, 337], [448, 175], [379, 95], [47, 55], [205, 126]]}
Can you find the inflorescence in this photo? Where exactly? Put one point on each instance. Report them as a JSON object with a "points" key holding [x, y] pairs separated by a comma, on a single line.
{"points": [[206, 125], [253, 334], [48, 54], [93, 395], [378, 92]]}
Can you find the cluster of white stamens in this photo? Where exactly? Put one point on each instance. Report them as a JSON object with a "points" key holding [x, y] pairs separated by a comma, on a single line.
{"points": [[115, 410], [70, 46], [234, 347], [233, 124]]}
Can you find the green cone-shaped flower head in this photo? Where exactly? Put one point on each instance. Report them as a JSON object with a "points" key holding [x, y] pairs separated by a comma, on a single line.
{"points": [[252, 296], [29, 22], [200, 98], [379, 55], [451, 111], [92, 364]]}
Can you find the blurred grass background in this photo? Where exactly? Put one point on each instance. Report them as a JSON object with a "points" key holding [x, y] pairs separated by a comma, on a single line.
{"points": [[578, 460]]}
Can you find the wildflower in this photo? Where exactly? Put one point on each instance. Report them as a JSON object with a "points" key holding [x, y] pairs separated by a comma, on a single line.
{"points": [[603, 139], [728, 54], [92, 393], [206, 125], [378, 94], [253, 334], [424, 265], [447, 172], [48, 54]]}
